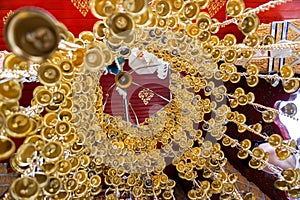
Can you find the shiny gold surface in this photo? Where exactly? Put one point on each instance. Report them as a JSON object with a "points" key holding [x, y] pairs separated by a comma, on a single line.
{"points": [[72, 148]]}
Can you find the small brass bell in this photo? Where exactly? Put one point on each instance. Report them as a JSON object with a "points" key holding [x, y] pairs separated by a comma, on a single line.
{"points": [[8, 147], [235, 7], [121, 25], [123, 79], [268, 39], [249, 24], [135, 7], [32, 34]]}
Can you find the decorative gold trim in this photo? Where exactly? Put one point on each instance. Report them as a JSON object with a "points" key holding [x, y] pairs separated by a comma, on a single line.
{"points": [[83, 6], [145, 95], [215, 6], [8, 14]]}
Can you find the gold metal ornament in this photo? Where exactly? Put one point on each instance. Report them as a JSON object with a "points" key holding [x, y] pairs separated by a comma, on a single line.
{"points": [[252, 40], [53, 186], [135, 7], [52, 151], [163, 7], [123, 79], [18, 125], [8, 147], [32, 34], [235, 7], [49, 74], [25, 154], [290, 85], [103, 8], [190, 10], [249, 24], [13, 62], [10, 90], [99, 29], [268, 40], [121, 25], [24, 188], [203, 21]]}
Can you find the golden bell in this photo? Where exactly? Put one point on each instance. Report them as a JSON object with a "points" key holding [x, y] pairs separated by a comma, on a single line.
{"points": [[49, 74], [50, 119], [214, 28], [135, 7], [249, 24], [63, 167], [235, 77], [229, 40], [203, 3], [123, 79], [161, 22], [103, 8], [230, 56], [80, 176], [252, 81], [176, 5], [252, 69], [53, 186], [41, 178], [18, 125], [11, 90], [290, 85], [93, 59], [287, 71], [290, 175], [70, 184], [235, 7], [74, 162], [14, 62], [254, 163], [281, 185], [203, 21], [258, 153], [52, 151], [190, 10], [252, 40], [282, 153], [25, 154], [24, 188], [163, 8], [204, 36], [67, 68], [121, 25], [249, 196], [246, 144], [63, 128], [8, 147], [268, 39], [192, 30], [32, 34], [99, 29], [268, 116], [294, 193], [43, 97], [144, 19], [247, 54]]}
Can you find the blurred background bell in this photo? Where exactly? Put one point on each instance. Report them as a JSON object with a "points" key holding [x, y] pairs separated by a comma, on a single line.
{"points": [[32, 34]]}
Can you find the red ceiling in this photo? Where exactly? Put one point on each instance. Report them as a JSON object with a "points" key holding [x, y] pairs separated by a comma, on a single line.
{"points": [[65, 12]]}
